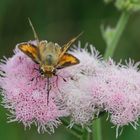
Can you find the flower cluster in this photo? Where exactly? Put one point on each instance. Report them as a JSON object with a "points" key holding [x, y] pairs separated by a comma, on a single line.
{"points": [[25, 93], [81, 92], [123, 96]]}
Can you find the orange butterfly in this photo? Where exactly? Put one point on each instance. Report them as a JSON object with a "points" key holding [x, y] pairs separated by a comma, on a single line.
{"points": [[50, 56]]}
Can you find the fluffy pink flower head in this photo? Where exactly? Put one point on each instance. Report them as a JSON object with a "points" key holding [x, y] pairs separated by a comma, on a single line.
{"points": [[106, 86], [77, 92], [123, 93], [90, 60], [25, 93]]}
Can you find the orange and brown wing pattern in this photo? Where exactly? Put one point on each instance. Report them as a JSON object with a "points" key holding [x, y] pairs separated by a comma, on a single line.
{"points": [[30, 50], [67, 60]]}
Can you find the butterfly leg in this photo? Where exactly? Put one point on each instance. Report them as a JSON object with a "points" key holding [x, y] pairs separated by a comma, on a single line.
{"points": [[57, 84], [48, 89]]}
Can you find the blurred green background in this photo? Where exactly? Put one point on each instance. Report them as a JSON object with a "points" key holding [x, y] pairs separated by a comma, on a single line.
{"points": [[59, 21]]}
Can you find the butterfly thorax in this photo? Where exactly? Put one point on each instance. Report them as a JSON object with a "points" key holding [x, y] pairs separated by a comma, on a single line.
{"points": [[49, 53], [49, 56]]}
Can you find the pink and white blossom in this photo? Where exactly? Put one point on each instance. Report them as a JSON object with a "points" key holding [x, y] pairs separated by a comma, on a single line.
{"points": [[81, 92], [25, 94]]}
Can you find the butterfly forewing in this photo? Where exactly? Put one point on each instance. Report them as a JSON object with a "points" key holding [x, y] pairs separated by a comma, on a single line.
{"points": [[30, 50]]}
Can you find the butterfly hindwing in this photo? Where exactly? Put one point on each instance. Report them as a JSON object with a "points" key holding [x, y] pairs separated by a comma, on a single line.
{"points": [[67, 60], [30, 50]]}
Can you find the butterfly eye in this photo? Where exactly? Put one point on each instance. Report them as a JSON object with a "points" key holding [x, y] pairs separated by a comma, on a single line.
{"points": [[41, 71], [54, 72]]}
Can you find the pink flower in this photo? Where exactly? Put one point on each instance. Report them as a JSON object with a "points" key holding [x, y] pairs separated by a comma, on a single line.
{"points": [[123, 93], [80, 92], [25, 94], [103, 86], [77, 91]]}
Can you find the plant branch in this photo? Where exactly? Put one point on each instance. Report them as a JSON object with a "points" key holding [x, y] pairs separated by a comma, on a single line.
{"points": [[97, 130], [114, 39]]}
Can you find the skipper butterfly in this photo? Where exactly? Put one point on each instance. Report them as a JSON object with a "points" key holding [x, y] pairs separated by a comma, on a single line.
{"points": [[48, 55]]}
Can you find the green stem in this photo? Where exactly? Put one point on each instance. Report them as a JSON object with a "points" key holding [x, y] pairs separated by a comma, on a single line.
{"points": [[111, 46], [75, 130], [117, 34], [86, 135], [97, 130]]}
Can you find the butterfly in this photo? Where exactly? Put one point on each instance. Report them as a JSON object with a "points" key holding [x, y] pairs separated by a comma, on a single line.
{"points": [[50, 56]]}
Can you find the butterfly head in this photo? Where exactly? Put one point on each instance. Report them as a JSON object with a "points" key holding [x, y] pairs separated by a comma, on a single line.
{"points": [[47, 71]]}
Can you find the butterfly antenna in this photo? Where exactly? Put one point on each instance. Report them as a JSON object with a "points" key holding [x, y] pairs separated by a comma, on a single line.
{"points": [[73, 40], [33, 29], [67, 45]]}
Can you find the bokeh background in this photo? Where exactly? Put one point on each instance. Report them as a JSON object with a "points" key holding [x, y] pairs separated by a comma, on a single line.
{"points": [[59, 21]]}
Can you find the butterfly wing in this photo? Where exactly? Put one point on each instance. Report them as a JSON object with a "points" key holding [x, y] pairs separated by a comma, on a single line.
{"points": [[67, 60], [30, 50], [67, 45]]}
